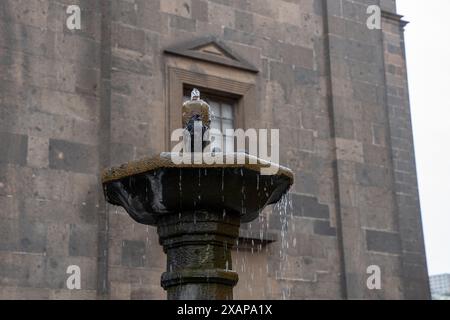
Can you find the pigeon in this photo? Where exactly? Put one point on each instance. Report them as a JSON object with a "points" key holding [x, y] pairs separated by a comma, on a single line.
{"points": [[190, 128]]}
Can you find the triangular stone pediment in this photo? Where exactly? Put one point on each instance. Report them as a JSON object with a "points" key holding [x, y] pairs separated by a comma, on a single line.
{"points": [[212, 50]]}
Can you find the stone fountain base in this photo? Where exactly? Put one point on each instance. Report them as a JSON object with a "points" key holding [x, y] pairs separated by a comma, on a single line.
{"points": [[198, 246], [197, 210]]}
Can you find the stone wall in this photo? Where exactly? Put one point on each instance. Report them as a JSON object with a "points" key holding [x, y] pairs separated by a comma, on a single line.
{"points": [[74, 102]]}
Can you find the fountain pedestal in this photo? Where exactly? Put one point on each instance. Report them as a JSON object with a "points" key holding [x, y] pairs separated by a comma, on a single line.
{"points": [[198, 246]]}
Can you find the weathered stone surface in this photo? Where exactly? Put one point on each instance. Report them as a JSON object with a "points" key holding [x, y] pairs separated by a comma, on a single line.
{"points": [[309, 207], [38, 152], [15, 148], [180, 8], [65, 155], [23, 236], [81, 240], [381, 241], [243, 21], [349, 150], [323, 228], [404, 171], [182, 23], [199, 10], [133, 253], [129, 38]]}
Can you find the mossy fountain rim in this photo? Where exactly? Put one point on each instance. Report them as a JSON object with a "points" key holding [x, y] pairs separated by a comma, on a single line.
{"points": [[164, 160]]}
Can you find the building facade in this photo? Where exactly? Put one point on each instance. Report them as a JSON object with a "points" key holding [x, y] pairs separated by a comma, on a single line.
{"points": [[440, 286], [73, 102]]}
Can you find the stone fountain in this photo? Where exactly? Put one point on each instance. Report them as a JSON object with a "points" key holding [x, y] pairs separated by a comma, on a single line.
{"points": [[196, 207]]}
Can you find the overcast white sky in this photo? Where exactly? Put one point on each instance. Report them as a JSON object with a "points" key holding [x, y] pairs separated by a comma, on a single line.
{"points": [[428, 56]]}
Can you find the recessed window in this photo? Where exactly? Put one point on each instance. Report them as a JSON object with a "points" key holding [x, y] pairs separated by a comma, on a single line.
{"points": [[223, 118]]}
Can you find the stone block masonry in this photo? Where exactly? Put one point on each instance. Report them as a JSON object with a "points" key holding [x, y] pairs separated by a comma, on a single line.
{"points": [[75, 102]]}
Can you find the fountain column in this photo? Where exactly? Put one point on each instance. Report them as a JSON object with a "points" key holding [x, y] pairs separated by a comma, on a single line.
{"points": [[198, 247]]}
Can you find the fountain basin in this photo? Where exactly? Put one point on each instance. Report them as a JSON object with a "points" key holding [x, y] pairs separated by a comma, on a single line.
{"points": [[156, 186]]}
